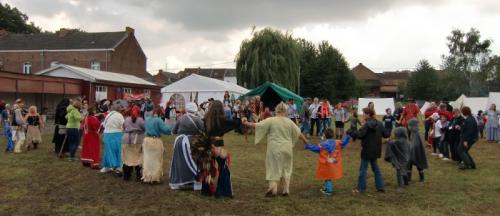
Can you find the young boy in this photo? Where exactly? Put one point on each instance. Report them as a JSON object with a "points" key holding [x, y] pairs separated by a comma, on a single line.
{"points": [[389, 120], [440, 127], [397, 153], [330, 159]]}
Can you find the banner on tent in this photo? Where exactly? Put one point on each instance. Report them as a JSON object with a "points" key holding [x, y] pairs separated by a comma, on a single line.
{"points": [[130, 96]]}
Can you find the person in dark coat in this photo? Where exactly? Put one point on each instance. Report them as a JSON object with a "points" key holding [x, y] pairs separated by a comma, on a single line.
{"points": [[371, 134], [59, 139], [468, 136], [397, 152], [417, 152], [453, 133]]}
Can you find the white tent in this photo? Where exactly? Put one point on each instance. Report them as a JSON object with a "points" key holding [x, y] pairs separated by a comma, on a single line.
{"points": [[494, 98], [200, 87], [380, 104], [424, 107], [476, 103], [459, 102]]}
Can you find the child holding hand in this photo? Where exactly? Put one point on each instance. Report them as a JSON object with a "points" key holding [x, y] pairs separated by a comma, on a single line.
{"points": [[330, 159]]}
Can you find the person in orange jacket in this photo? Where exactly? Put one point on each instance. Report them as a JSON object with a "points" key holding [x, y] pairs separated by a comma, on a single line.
{"points": [[330, 159]]}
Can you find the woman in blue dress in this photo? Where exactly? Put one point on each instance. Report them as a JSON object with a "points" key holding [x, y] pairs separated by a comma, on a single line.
{"points": [[492, 123]]}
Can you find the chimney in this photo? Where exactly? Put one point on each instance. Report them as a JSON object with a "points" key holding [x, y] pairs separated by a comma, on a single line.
{"points": [[3, 33], [129, 30]]}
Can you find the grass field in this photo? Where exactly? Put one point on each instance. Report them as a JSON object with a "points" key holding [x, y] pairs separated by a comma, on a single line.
{"points": [[38, 183]]}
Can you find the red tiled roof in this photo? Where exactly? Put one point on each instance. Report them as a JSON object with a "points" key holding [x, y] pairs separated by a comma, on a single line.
{"points": [[363, 73]]}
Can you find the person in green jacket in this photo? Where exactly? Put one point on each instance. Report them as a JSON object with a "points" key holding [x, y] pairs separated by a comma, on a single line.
{"points": [[73, 127]]}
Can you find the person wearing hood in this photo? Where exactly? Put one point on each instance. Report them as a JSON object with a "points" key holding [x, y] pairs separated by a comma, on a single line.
{"points": [[112, 140], [73, 127], [417, 152], [60, 139], [371, 134], [397, 152], [183, 169], [132, 143]]}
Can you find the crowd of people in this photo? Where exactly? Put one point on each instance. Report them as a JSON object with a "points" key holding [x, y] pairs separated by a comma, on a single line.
{"points": [[130, 133]]}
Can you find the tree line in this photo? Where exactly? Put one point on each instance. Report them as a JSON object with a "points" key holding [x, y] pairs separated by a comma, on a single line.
{"points": [[313, 70], [469, 68]]}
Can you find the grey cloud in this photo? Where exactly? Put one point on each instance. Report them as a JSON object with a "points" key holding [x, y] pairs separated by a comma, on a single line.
{"points": [[216, 15]]}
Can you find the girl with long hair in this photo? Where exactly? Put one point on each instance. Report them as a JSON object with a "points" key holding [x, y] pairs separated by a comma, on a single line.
{"points": [[35, 123], [213, 160]]}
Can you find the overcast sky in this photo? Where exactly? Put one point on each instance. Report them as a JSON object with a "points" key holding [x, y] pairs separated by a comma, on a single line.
{"points": [[382, 34]]}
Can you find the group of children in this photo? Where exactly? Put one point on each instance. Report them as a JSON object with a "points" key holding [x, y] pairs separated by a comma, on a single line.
{"points": [[404, 151]]}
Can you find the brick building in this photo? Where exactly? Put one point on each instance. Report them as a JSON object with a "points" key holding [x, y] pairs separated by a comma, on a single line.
{"points": [[224, 74], [386, 84], [109, 51], [164, 78]]}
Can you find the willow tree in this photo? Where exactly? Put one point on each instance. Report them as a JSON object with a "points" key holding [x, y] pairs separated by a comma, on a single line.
{"points": [[270, 55]]}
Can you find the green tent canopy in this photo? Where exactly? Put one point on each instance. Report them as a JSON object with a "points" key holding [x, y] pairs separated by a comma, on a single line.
{"points": [[272, 94]]}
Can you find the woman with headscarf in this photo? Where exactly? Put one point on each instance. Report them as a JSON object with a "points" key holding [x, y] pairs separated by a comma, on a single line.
{"points": [[183, 169], [60, 139], [112, 140], [281, 134], [417, 152], [211, 156], [132, 143], [152, 147], [90, 155]]}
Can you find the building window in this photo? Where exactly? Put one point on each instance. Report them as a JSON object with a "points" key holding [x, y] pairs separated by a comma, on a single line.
{"points": [[95, 65], [127, 90], [101, 89], [54, 63], [27, 67]]}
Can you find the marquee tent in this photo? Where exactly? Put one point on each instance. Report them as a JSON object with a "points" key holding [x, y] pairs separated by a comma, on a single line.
{"points": [[476, 103], [424, 107], [459, 102], [201, 88], [494, 98], [380, 104], [272, 94]]}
